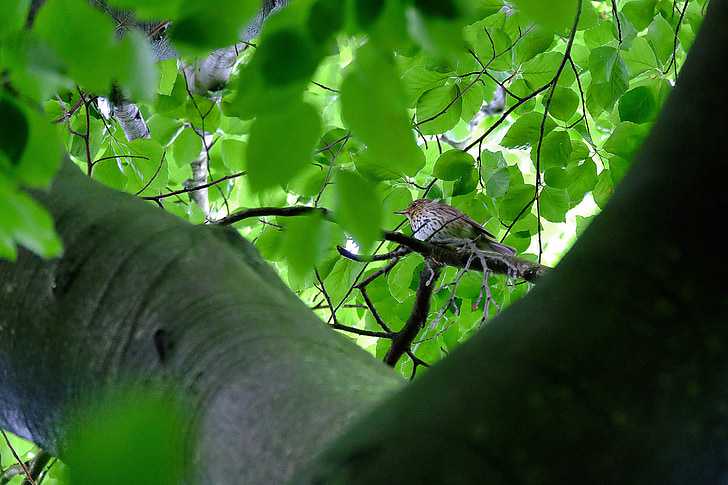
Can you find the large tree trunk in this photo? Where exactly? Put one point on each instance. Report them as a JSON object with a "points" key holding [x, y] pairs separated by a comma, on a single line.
{"points": [[613, 370], [141, 295]]}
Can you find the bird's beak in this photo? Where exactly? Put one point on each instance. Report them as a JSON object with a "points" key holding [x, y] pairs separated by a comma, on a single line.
{"points": [[402, 213]]}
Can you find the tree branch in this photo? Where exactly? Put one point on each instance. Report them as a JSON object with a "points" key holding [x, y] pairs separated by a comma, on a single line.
{"points": [[496, 262], [403, 339]]}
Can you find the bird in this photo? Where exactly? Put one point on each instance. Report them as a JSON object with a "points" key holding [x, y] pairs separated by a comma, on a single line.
{"points": [[438, 222]]}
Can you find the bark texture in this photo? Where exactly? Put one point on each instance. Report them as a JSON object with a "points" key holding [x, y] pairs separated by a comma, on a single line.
{"points": [[613, 369], [268, 382]]}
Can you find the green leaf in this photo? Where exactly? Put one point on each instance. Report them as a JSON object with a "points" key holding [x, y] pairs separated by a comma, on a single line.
{"points": [[453, 165], [555, 150], [272, 161], [358, 208], [28, 224], [473, 99], [517, 201], [554, 204], [637, 105], [640, 57], [397, 199], [138, 71], [144, 9], [233, 154], [439, 109], [372, 105], [14, 15], [399, 279], [640, 12], [368, 11], [304, 243], [269, 244], [466, 184], [287, 57], [609, 75], [187, 147], [191, 32], [417, 79], [555, 15], [141, 432], [526, 130], [162, 128], [538, 40], [582, 180], [339, 280], [603, 189], [83, 38], [541, 69], [626, 139], [497, 184], [14, 131], [203, 112], [42, 155], [602, 34], [564, 103], [661, 37], [325, 18]]}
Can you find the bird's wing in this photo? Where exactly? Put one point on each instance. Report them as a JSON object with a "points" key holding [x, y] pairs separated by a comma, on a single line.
{"points": [[478, 228]]}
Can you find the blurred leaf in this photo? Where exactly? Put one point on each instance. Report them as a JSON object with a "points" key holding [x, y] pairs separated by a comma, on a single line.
{"points": [[233, 154], [191, 32], [556, 15], [358, 208], [139, 73], [603, 189], [287, 57], [149, 10], [83, 38], [368, 11], [187, 147], [304, 242], [325, 18], [273, 160], [134, 437], [397, 199], [372, 105], [27, 223], [14, 15], [14, 131]]}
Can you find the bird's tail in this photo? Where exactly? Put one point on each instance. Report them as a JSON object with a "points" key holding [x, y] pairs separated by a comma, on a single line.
{"points": [[492, 245]]}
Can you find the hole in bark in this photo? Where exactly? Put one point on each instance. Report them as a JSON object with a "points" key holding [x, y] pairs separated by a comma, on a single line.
{"points": [[163, 344]]}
